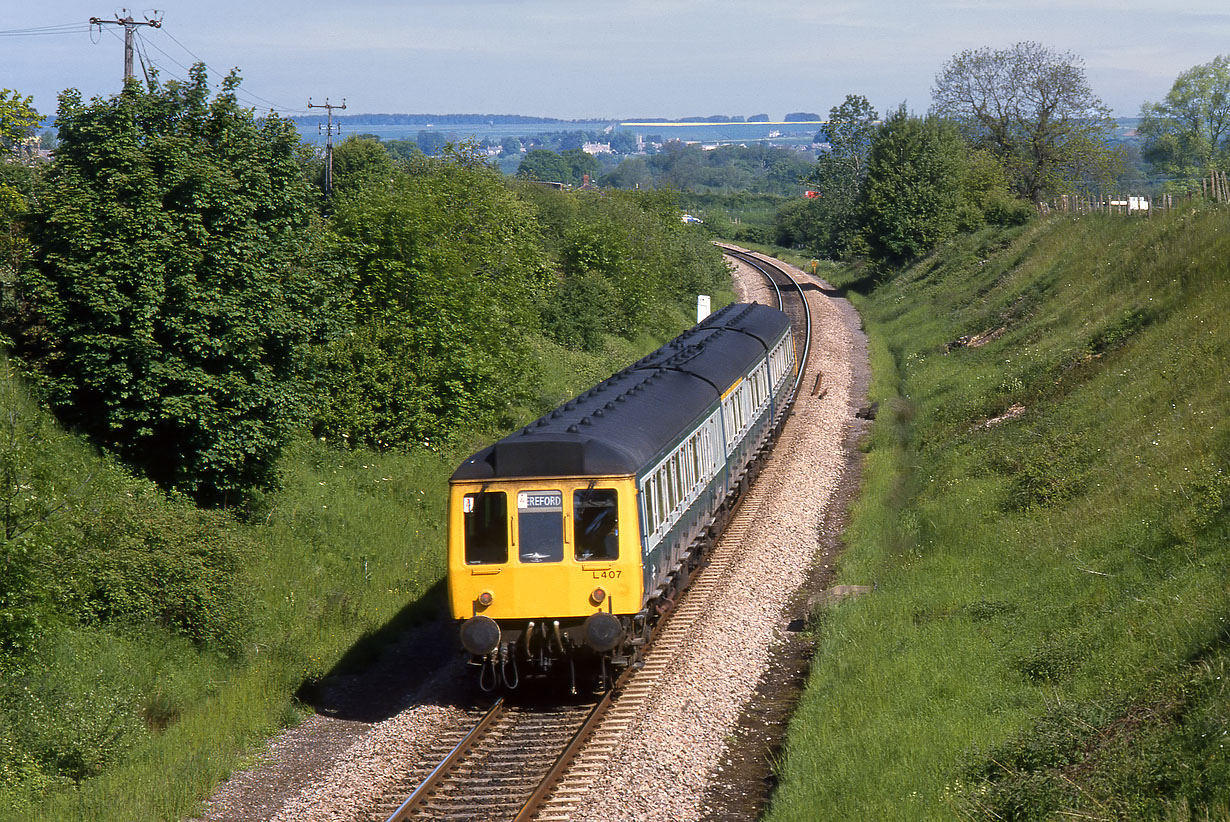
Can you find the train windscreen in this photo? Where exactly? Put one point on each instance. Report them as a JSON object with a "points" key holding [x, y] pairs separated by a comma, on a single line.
{"points": [[540, 526], [596, 524], [486, 528]]}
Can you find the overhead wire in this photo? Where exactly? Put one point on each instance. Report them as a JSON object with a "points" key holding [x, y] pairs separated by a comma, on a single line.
{"points": [[46, 31], [142, 45], [240, 92]]}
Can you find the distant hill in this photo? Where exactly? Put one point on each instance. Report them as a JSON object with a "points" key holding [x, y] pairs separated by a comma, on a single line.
{"points": [[435, 119]]}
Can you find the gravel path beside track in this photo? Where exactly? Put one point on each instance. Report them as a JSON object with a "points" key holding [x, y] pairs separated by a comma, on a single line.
{"points": [[331, 769], [672, 754]]}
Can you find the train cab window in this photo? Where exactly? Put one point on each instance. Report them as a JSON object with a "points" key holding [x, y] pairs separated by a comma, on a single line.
{"points": [[486, 528], [540, 526], [594, 516]]}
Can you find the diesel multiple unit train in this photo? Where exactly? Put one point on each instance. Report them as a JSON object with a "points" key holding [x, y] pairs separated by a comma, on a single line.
{"points": [[570, 537]]}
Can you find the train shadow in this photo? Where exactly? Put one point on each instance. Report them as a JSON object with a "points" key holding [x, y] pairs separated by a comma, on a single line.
{"points": [[416, 659], [412, 659], [862, 286]]}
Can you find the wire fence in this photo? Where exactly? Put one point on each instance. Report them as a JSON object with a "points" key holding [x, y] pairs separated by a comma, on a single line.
{"points": [[1215, 187]]}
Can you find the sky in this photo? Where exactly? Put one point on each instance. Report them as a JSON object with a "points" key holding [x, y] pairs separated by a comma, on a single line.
{"points": [[577, 60]]}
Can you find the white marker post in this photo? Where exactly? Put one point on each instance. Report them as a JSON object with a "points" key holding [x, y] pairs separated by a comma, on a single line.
{"points": [[702, 307]]}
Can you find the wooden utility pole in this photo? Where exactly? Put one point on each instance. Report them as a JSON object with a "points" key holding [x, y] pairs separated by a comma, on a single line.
{"points": [[130, 26], [328, 132]]}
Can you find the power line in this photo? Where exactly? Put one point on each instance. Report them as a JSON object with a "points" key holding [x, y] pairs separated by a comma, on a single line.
{"points": [[255, 100], [46, 31], [240, 92], [138, 46]]}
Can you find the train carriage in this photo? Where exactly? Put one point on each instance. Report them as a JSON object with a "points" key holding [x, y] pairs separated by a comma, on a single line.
{"points": [[569, 537]]}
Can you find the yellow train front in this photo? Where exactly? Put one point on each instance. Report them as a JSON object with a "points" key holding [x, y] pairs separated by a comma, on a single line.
{"points": [[570, 537]]}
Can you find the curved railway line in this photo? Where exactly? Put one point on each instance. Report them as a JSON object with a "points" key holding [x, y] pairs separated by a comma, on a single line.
{"points": [[523, 762]]}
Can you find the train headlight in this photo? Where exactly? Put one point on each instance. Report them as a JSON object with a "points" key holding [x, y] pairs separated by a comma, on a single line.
{"points": [[486, 598], [598, 596], [480, 635]]}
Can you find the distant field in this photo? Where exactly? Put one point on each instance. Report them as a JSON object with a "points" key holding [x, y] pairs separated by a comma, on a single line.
{"points": [[702, 132]]}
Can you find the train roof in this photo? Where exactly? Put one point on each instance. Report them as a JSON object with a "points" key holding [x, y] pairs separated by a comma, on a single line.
{"points": [[619, 426]]}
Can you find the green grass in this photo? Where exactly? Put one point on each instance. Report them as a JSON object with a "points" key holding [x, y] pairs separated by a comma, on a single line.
{"points": [[1051, 611], [347, 553]]}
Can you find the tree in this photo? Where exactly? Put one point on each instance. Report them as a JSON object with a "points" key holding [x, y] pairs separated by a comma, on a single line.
{"points": [[623, 142], [169, 299], [1031, 107], [510, 145], [1188, 133], [431, 142], [801, 223], [581, 165], [545, 166], [402, 150], [357, 163], [18, 119], [568, 166], [912, 195], [838, 174], [447, 272]]}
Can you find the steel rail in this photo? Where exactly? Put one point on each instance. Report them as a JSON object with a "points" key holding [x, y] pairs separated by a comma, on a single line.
{"points": [[437, 775], [768, 269], [562, 800], [549, 782], [552, 779]]}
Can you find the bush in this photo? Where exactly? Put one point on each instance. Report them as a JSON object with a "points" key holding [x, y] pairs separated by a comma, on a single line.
{"points": [[168, 301], [1007, 210], [141, 560], [447, 275], [579, 312], [75, 709]]}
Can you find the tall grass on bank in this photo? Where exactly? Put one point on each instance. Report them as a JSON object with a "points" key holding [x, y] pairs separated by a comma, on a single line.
{"points": [[348, 550], [1045, 520]]}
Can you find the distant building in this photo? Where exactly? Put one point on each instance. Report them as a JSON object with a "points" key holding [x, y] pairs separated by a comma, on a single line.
{"points": [[596, 148]]}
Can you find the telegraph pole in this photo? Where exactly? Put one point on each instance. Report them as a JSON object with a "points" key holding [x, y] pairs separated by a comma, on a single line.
{"points": [[130, 26], [328, 132]]}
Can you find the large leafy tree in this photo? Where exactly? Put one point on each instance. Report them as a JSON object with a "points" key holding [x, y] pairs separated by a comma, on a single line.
{"points": [[1033, 108], [1188, 132], [170, 303], [357, 163], [18, 118], [545, 166], [839, 173], [912, 197], [569, 166], [447, 272]]}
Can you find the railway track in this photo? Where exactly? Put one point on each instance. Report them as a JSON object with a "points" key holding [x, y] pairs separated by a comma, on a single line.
{"points": [[790, 299], [519, 763], [494, 771]]}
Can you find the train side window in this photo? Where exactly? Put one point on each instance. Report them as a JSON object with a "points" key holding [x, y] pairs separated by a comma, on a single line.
{"points": [[540, 525], [486, 528], [596, 524], [692, 465], [672, 479], [659, 484]]}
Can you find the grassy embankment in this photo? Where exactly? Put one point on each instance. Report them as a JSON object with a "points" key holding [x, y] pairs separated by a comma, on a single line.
{"points": [[1044, 518], [346, 553]]}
